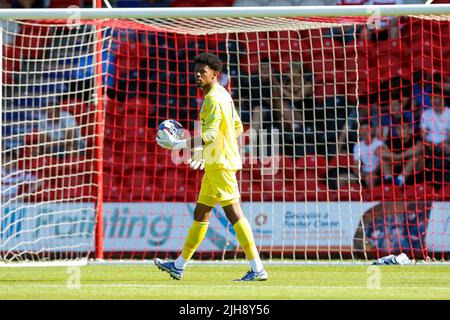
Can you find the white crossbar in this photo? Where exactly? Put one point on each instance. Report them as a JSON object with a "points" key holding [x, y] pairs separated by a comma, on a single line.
{"points": [[222, 12]]}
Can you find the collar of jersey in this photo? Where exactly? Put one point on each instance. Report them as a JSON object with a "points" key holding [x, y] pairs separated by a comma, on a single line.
{"points": [[214, 87]]}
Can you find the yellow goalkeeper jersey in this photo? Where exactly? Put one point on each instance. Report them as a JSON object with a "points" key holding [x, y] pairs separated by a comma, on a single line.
{"points": [[220, 127]]}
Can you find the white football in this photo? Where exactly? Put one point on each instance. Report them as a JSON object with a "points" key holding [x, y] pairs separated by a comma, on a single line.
{"points": [[173, 127]]}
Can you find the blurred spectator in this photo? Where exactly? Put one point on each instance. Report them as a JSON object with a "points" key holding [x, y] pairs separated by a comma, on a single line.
{"points": [[301, 119], [373, 157], [408, 145], [382, 28], [341, 178], [159, 3], [344, 33], [346, 133], [279, 102], [435, 126], [395, 88], [141, 3], [397, 111], [10, 28], [263, 97], [59, 133], [442, 81], [296, 96], [27, 4], [421, 90], [16, 181]]}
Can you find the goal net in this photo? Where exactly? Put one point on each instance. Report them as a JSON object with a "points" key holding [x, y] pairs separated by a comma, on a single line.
{"points": [[50, 137], [344, 150]]}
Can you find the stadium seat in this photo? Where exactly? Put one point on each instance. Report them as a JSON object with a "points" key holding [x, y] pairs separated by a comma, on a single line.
{"points": [[250, 190], [121, 159], [442, 195], [136, 147], [343, 160], [11, 62], [250, 183], [111, 182], [111, 144], [381, 193], [257, 48], [69, 190], [310, 187], [314, 163], [64, 3], [29, 157], [387, 48], [30, 40], [348, 193], [140, 184], [303, 183], [252, 168], [219, 3], [278, 190], [188, 3], [318, 195], [171, 184], [411, 193], [139, 106]]}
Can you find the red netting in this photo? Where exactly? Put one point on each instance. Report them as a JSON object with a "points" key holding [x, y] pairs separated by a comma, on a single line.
{"points": [[365, 151], [153, 82]]}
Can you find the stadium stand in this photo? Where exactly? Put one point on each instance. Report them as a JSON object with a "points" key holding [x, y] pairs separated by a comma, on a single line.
{"points": [[139, 62]]}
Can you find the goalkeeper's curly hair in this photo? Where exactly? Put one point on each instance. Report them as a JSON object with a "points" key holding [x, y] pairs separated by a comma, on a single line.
{"points": [[211, 60]]}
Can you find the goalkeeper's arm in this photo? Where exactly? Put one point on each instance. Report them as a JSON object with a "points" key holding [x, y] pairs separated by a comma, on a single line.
{"points": [[195, 144], [170, 142], [196, 160], [238, 127]]}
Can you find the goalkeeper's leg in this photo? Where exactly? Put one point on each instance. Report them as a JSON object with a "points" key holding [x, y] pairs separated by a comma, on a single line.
{"points": [[196, 234], [244, 235]]}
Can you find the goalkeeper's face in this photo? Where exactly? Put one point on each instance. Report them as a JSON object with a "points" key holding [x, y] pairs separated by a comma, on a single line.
{"points": [[205, 77]]}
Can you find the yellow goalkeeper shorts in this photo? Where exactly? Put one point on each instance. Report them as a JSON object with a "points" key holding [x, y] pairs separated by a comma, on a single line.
{"points": [[219, 186]]}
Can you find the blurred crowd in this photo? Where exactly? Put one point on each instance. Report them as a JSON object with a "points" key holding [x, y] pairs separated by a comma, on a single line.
{"points": [[402, 138], [399, 135]]}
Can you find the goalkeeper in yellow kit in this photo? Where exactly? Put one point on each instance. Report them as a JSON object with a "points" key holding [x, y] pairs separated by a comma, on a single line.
{"points": [[217, 152]]}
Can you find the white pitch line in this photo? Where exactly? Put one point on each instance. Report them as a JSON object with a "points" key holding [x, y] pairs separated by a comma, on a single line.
{"points": [[149, 286]]}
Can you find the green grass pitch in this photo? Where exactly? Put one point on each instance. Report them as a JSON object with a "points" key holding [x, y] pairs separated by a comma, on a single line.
{"points": [[202, 282]]}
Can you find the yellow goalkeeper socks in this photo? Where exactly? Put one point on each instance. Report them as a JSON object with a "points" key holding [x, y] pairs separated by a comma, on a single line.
{"points": [[244, 235], [195, 236]]}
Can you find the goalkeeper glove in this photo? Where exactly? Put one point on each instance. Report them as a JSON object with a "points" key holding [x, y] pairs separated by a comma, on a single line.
{"points": [[196, 161], [168, 141], [161, 143]]}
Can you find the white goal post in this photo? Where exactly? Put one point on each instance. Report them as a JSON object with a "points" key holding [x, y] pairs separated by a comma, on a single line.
{"points": [[65, 216], [228, 12]]}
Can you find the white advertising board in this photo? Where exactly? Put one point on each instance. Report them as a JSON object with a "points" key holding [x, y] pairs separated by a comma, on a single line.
{"points": [[163, 226], [438, 231]]}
